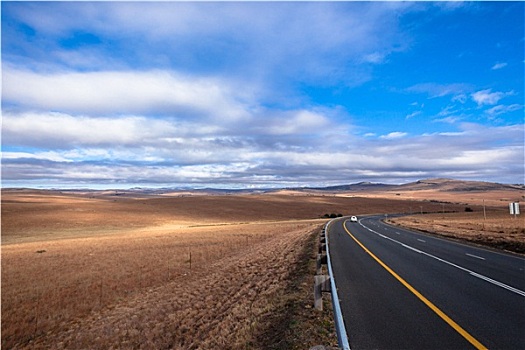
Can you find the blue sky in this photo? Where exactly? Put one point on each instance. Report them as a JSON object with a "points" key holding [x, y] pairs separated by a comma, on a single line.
{"points": [[260, 94]]}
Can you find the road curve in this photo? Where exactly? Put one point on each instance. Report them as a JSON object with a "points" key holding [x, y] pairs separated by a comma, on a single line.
{"points": [[405, 290]]}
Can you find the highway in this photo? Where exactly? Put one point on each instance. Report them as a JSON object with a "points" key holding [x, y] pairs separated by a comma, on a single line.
{"points": [[405, 290]]}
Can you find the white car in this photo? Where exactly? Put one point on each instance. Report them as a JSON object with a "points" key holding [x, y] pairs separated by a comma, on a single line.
{"points": [[353, 218]]}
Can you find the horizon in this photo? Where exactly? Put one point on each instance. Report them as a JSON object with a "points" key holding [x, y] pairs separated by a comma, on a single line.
{"points": [[189, 188], [252, 95]]}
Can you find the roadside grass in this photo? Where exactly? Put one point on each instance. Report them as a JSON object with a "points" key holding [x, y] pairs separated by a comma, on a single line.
{"points": [[242, 287], [495, 228], [294, 323]]}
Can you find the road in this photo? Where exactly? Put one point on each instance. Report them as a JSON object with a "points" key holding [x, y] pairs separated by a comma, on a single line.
{"points": [[405, 290]]}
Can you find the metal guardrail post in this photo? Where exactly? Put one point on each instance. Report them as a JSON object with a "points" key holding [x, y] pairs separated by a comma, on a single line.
{"points": [[321, 260], [322, 284]]}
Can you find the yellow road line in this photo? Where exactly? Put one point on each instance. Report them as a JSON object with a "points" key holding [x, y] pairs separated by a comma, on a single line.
{"points": [[427, 302]]}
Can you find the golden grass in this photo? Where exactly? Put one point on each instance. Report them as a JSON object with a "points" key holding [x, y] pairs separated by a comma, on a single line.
{"points": [[496, 228], [232, 268], [95, 270], [157, 272], [29, 215]]}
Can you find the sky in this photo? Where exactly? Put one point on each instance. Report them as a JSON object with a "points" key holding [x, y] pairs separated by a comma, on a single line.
{"points": [[260, 94]]}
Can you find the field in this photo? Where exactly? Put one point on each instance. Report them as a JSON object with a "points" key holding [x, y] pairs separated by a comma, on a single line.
{"points": [[495, 228], [120, 270]]}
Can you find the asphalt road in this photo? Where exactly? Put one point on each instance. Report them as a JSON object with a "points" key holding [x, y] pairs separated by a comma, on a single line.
{"points": [[405, 290]]}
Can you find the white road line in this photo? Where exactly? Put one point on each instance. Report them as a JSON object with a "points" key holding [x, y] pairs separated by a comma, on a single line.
{"points": [[421, 240], [475, 256], [472, 273], [502, 285]]}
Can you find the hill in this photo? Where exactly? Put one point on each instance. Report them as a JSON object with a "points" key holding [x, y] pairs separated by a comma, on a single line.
{"points": [[435, 185], [450, 185]]}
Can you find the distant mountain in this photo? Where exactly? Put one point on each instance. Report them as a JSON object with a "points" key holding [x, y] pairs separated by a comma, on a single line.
{"points": [[360, 186], [439, 184], [450, 185]]}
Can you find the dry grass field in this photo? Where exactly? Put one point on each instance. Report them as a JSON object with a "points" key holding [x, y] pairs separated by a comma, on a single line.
{"points": [[99, 270], [143, 290], [496, 228], [29, 216], [110, 270]]}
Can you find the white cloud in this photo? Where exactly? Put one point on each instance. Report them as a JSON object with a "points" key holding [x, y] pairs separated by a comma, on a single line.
{"points": [[394, 135], [503, 109], [151, 139], [132, 107], [375, 57], [321, 42], [487, 97], [121, 93], [187, 92], [195, 161], [295, 122], [448, 120], [461, 98], [499, 65], [439, 90], [413, 114], [448, 110], [50, 155], [58, 130], [476, 157]]}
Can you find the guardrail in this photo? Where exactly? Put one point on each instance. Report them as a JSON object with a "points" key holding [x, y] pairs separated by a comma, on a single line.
{"points": [[326, 283]]}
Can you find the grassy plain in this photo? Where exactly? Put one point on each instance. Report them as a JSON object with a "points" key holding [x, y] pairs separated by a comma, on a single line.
{"points": [[84, 270], [112, 270], [496, 228]]}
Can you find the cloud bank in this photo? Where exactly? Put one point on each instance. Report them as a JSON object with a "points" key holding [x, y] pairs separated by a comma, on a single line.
{"points": [[240, 95]]}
